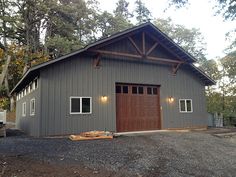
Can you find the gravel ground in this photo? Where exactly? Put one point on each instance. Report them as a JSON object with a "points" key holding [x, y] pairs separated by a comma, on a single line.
{"points": [[158, 154]]}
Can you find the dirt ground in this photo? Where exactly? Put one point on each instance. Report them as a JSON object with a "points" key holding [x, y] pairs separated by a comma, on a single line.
{"points": [[197, 153]]}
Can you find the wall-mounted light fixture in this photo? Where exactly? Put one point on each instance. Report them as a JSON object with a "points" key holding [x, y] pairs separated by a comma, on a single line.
{"points": [[171, 99], [104, 99]]}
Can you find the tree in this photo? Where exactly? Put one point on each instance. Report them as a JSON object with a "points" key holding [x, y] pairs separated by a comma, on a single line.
{"points": [[122, 16], [106, 24], [142, 13], [190, 39], [225, 7], [122, 9]]}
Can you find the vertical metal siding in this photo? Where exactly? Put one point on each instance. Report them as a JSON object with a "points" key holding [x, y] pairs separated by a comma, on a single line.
{"points": [[29, 124], [78, 77]]}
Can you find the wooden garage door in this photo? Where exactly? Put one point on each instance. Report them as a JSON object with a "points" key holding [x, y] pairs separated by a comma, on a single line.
{"points": [[137, 107]]}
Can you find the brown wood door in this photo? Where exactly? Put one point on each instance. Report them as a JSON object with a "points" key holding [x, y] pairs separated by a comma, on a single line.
{"points": [[137, 107]]}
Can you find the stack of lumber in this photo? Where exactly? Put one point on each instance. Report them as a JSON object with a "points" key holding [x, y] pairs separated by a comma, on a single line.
{"points": [[92, 135]]}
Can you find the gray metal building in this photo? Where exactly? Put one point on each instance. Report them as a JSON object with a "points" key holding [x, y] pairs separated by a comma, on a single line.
{"points": [[135, 80]]}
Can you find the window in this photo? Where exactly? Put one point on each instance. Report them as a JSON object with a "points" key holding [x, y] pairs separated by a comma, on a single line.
{"points": [[36, 83], [154, 91], [31, 87], [185, 105], [80, 105], [24, 109], [125, 89], [32, 107], [140, 90], [151, 90], [118, 89], [134, 90]]}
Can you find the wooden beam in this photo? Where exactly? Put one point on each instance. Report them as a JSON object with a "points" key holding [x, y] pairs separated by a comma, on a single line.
{"points": [[96, 62], [152, 48], [155, 39], [100, 44], [163, 60], [117, 53], [135, 45], [175, 68], [143, 39]]}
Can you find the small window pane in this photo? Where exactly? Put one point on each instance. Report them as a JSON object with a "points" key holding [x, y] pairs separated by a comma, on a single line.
{"points": [[75, 105], [125, 89], [134, 90], [182, 106], [149, 90], [118, 89], [31, 87], [189, 105], [86, 105], [140, 90], [154, 91], [32, 107], [36, 83]]}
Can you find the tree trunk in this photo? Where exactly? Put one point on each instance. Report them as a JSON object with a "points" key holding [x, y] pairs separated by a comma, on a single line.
{"points": [[4, 70]]}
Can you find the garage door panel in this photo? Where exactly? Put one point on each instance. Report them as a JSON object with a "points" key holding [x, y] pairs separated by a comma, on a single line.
{"points": [[139, 109]]}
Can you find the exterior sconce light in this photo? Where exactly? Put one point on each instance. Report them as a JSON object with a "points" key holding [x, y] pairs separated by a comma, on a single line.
{"points": [[104, 99], [171, 99]]}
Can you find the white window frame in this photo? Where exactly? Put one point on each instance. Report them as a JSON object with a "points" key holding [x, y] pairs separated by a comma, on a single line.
{"points": [[81, 105], [185, 104], [32, 113], [24, 109]]}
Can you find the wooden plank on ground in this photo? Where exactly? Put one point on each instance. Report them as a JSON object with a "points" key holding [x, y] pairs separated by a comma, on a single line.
{"points": [[79, 138], [92, 135]]}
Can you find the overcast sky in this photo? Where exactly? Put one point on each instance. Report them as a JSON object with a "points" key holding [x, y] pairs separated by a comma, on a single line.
{"points": [[198, 14]]}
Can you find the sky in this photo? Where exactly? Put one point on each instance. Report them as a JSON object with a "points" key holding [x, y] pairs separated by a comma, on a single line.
{"points": [[198, 14]]}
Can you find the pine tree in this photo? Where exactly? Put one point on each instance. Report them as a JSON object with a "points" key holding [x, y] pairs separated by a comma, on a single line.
{"points": [[142, 13]]}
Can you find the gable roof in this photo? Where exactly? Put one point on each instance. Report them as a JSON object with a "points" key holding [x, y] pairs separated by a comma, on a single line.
{"points": [[162, 38]]}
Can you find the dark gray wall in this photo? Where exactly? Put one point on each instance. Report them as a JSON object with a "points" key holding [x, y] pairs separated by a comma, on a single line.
{"points": [[29, 124], [78, 77]]}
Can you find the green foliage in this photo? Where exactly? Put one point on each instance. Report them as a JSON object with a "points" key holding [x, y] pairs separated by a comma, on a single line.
{"points": [[228, 9], [4, 103], [223, 98], [58, 46], [190, 39], [142, 12], [3, 91], [229, 66], [212, 69], [214, 102], [225, 7]]}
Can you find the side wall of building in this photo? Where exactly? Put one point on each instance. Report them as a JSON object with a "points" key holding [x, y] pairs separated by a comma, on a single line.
{"points": [[77, 77], [30, 124]]}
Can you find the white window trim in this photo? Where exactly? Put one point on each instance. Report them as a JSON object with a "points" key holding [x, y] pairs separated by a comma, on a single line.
{"points": [[24, 109], [80, 97], [185, 102], [32, 114]]}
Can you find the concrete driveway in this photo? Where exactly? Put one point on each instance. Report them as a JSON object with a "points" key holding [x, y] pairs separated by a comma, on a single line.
{"points": [[174, 154]]}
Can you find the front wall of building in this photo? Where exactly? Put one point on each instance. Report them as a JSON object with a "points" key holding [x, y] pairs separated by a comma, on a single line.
{"points": [[78, 77]]}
